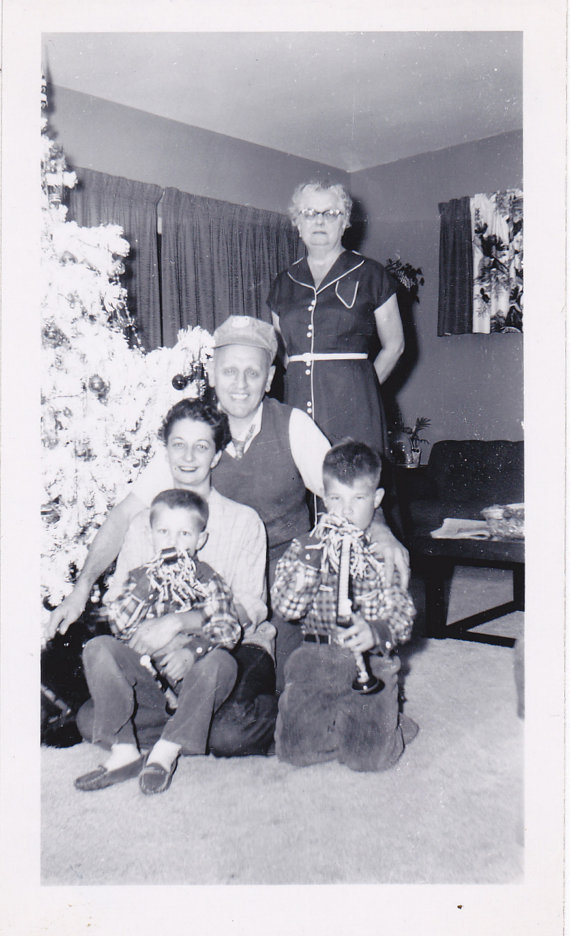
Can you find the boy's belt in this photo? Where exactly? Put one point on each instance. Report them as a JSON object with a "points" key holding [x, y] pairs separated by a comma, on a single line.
{"points": [[320, 638], [308, 358]]}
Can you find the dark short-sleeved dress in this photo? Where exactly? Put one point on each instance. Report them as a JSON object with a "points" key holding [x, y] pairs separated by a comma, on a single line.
{"points": [[337, 318]]}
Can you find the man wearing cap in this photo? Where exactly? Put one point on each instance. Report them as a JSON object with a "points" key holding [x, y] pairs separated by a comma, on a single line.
{"points": [[276, 453], [275, 456]]}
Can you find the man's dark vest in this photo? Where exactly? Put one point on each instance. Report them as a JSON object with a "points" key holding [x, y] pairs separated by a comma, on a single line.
{"points": [[267, 479]]}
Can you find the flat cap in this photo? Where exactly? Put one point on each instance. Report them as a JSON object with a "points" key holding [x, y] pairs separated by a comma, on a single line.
{"points": [[246, 330]]}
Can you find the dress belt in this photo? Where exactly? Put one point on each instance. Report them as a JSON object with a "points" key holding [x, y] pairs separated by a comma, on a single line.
{"points": [[307, 358]]}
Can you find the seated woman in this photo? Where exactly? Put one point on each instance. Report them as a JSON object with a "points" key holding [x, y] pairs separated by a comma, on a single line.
{"points": [[194, 433]]}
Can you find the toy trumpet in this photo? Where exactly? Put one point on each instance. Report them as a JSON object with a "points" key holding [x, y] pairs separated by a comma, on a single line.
{"points": [[365, 681]]}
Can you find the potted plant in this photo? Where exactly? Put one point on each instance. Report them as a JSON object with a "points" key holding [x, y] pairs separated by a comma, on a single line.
{"points": [[408, 276], [413, 452]]}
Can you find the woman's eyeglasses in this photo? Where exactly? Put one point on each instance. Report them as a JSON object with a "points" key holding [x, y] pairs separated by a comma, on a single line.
{"points": [[329, 214]]}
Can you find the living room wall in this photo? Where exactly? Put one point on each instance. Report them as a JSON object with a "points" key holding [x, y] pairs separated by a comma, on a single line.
{"points": [[123, 141], [470, 386]]}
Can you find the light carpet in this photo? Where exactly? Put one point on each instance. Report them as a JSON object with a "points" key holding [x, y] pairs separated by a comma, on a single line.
{"points": [[451, 811]]}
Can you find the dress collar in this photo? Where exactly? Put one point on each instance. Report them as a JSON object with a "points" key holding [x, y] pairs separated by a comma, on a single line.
{"points": [[348, 261]]}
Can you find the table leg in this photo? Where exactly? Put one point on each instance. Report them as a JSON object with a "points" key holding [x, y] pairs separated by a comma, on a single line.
{"points": [[437, 576], [518, 587]]}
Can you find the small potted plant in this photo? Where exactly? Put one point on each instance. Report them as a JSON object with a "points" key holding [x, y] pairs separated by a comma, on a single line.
{"points": [[413, 453], [408, 276]]}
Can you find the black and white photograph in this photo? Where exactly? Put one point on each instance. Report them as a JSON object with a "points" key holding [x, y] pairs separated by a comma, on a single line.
{"points": [[289, 623]]}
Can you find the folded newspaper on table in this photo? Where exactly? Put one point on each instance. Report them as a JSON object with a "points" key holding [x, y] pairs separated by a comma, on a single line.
{"points": [[462, 529], [502, 521]]}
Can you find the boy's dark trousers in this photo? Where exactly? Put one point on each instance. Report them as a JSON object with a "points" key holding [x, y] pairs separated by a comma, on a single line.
{"points": [[128, 706], [242, 724], [322, 718]]}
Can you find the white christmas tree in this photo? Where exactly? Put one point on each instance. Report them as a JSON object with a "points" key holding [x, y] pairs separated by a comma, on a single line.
{"points": [[102, 400]]}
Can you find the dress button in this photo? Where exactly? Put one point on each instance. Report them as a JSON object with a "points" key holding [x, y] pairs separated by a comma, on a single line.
{"points": [[308, 372], [308, 334]]}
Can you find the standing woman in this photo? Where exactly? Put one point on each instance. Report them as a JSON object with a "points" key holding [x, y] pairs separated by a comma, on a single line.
{"points": [[331, 307]]}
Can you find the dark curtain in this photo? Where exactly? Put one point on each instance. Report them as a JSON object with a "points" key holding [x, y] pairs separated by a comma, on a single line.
{"points": [[455, 308], [99, 198], [218, 259]]}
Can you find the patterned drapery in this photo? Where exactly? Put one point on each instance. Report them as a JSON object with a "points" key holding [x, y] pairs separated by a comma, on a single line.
{"points": [[497, 261], [481, 264]]}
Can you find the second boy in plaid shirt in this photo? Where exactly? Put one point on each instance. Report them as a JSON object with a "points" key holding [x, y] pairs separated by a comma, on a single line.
{"points": [[175, 581], [321, 717], [196, 662]]}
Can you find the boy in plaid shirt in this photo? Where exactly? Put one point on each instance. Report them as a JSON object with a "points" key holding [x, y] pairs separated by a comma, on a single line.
{"points": [[321, 717], [123, 683], [174, 581]]}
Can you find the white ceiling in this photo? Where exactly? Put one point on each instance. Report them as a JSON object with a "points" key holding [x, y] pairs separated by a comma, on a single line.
{"points": [[350, 100]]}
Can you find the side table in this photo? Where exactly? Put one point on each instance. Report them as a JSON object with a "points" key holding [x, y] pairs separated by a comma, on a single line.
{"points": [[435, 559]]}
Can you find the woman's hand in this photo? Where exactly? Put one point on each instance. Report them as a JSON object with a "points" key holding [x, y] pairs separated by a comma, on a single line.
{"points": [[70, 609], [153, 635], [359, 637], [385, 545]]}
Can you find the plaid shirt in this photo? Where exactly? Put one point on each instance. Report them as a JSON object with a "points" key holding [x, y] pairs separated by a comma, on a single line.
{"points": [[236, 549], [306, 585], [176, 583]]}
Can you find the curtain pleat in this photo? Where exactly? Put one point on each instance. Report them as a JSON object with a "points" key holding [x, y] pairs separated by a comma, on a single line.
{"points": [[99, 198], [218, 259], [455, 307]]}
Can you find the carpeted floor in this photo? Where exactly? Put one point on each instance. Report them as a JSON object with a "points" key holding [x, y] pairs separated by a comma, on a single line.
{"points": [[450, 812]]}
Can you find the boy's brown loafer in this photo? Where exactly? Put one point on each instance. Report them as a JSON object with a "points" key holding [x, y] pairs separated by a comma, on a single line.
{"points": [[155, 778], [101, 777]]}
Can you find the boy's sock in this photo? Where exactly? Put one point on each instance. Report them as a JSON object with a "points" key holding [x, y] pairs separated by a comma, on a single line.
{"points": [[263, 636], [121, 755], [164, 753]]}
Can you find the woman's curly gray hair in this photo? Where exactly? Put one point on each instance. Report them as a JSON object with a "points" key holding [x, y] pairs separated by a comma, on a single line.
{"points": [[334, 187]]}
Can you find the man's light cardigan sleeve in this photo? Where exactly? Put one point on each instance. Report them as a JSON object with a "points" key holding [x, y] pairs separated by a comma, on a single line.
{"points": [[308, 448]]}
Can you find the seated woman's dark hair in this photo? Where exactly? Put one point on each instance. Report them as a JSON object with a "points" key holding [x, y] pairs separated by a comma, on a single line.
{"points": [[197, 411]]}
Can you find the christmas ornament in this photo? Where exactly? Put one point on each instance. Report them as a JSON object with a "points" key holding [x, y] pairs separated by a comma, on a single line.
{"points": [[82, 450], [52, 336], [50, 513], [98, 386], [196, 375]]}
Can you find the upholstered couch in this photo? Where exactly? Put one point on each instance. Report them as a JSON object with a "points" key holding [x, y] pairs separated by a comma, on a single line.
{"points": [[460, 480]]}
